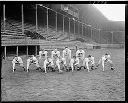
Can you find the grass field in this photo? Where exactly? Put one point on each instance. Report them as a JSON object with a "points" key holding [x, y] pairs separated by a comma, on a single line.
{"points": [[77, 86]]}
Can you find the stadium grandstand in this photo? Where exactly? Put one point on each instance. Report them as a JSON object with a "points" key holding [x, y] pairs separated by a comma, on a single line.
{"points": [[26, 27]]}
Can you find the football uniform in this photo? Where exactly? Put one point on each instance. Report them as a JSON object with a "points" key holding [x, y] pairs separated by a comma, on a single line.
{"points": [[67, 53], [74, 63], [105, 59], [43, 54], [55, 57], [67, 56], [63, 64], [89, 62], [55, 54], [80, 54], [48, 63], [32, 60], [17, 60]]}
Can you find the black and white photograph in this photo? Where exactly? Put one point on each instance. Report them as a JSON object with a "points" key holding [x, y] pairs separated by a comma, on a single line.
{"points": [[62, 51]]}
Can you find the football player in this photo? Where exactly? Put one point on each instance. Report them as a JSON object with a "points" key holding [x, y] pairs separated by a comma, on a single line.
{"points": [[74, 63], [55, 55], [80, 54], [17, 60], [43, 54], [48, 64], [89, 62], [66, 57], [32, 60], [106, 59]]}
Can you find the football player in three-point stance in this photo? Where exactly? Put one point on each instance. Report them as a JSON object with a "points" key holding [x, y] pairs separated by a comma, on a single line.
{"points": [[74, 63], [106, 59], [48, 64], [89, 62], [17, 60], [55, 55], [80, 54], [42, 57], [43, 54], [32, 60], [66, 57]]}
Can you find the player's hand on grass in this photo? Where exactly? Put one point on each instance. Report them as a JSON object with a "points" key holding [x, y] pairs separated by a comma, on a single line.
{"points": [[24, 68], [60, 71], [27, 70], [112, 68]]}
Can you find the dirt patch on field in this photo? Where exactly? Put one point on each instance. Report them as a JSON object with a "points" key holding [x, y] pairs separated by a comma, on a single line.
{"points": [[77, 86]]}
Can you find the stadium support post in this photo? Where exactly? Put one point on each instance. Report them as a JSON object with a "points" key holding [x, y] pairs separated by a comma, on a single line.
{"points": [[91, 31], [69, 28], [5, 52], [63, 24], [36, 50], [27, 51], [56, 21], [17, 50], [36, 19], [78, 27], [74, 26], [47, 21], [76, 47], [82, 29], [112, 37], [99, 36], [4, 16], [22, 19]]}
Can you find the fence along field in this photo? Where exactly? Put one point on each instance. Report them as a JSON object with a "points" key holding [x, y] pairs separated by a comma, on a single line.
{"points": [[78, 86]]}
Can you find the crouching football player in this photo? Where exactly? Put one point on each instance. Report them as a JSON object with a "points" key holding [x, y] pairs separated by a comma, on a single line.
{"points": [[66, 58], [106, 59], [32, 60], [89, 62], [17, 60], [48, 64], [42, 57], [55, 55], [80, 54], [43, 54], [62, 63], [74, 63]]}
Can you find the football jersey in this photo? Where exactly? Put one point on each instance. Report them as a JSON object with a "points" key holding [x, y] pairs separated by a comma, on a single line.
{"points": [[43, 54], [67, 53], [105, 58], [17, 60], [91, 60], [55, 54], [76, 61], [63, 61], [80, 53], [48, 61], [32, 60]]}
